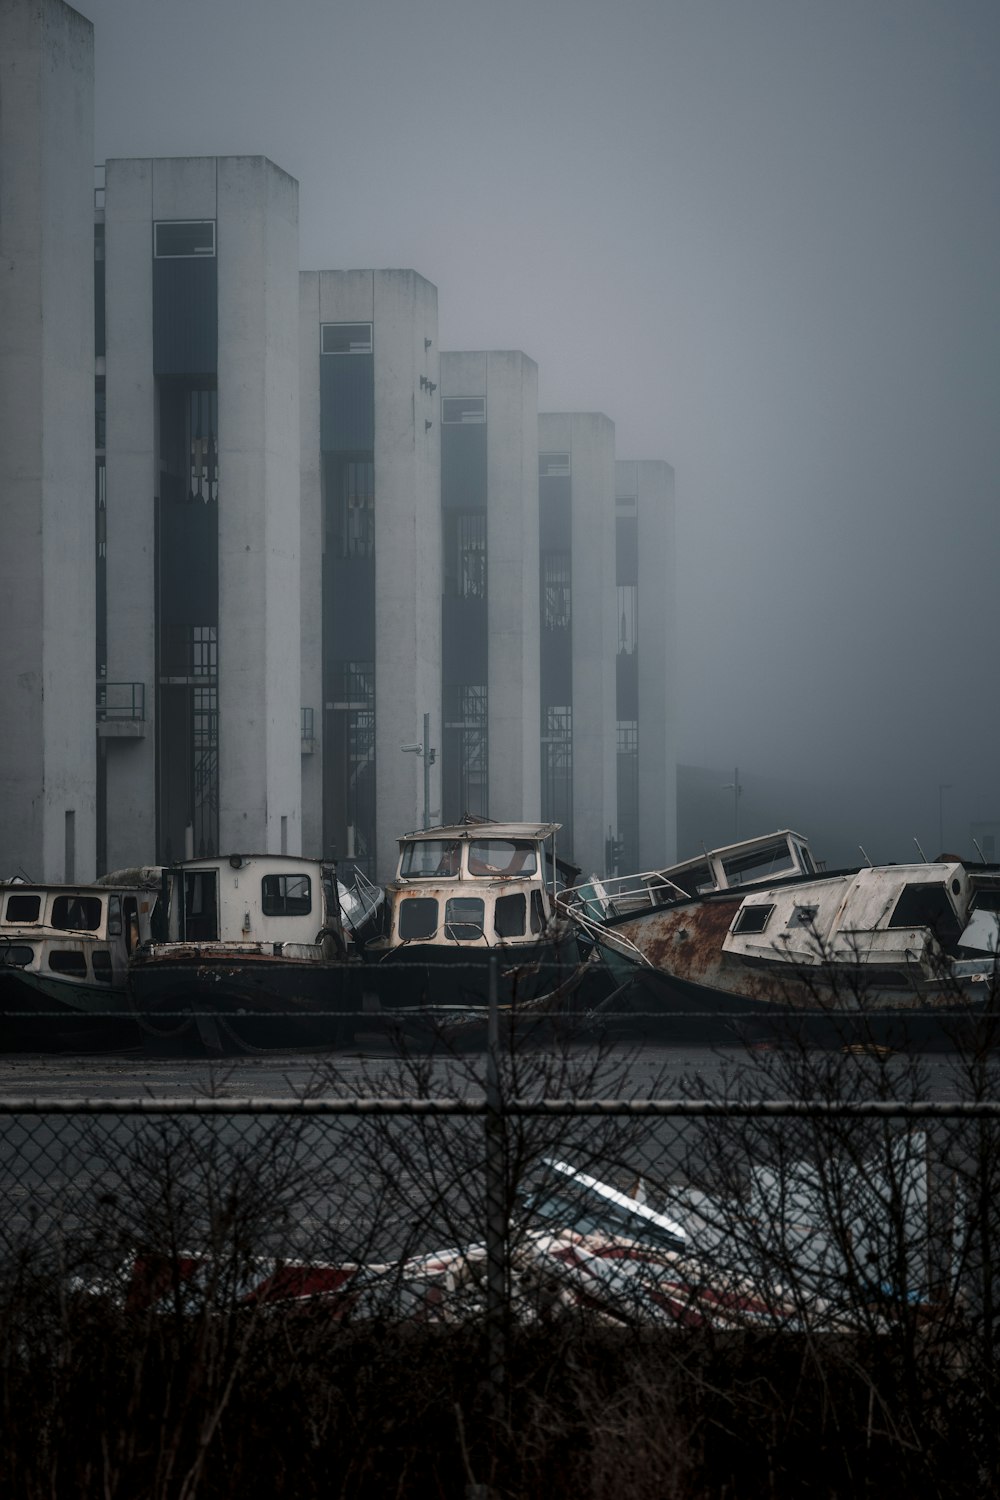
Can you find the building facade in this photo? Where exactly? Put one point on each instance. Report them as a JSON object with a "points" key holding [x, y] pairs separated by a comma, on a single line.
{"points": [[371, 559], [645, 711], [202, 509], [47, 578], [576, 490], [489, 607]]}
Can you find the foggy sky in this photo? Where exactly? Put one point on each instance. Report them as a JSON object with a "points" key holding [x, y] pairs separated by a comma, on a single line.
{"points": [[763, 236]]}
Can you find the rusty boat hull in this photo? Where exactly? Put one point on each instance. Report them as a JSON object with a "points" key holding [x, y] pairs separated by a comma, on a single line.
{"points": [[677, 982]]}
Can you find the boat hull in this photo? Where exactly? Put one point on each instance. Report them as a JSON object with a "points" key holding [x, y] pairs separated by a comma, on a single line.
{"points": [[43, 1014], [222, 1005]]}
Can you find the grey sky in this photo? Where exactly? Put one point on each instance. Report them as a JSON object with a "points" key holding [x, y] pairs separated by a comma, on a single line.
{"points": [[762, 235]]}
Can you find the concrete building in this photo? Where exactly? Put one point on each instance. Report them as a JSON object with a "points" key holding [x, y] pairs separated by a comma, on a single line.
{"points": [[576, 488], [201, 738], [645, 710], [489, 611], [371, 559], [47, 747]]}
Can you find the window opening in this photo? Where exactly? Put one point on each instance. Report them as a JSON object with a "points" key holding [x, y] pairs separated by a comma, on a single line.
{"points": [[753, 919], [418, 917], [510, 914], [463, 409], [286, 895], [346, 338], [77, 913], [183, 238], [23, 908], [463, 918], [68, 961]]}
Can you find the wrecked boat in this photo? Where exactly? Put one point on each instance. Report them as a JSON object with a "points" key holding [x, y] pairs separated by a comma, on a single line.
{"points": [[744, 939], [262, 954], [64, 954], [464, 893]]}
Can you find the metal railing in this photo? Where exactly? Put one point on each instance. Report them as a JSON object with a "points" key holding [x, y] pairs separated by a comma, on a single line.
{"points": [[121, 701]]}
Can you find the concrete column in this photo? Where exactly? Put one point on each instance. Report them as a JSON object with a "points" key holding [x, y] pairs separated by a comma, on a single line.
{"points": [[47, 646], [259, 616]]}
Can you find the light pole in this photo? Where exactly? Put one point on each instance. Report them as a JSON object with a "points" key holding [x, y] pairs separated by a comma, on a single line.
{"points": [[429, 756], [943, 786]]}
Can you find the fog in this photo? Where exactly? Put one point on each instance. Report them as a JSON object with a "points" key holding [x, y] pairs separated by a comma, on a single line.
{"points": [[763, 236]]}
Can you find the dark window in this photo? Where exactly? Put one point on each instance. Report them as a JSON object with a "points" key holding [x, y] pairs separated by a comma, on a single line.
{"points": [[101, 960], [426, 858], [463, 918], [81, 913], [537, 911], [16, 955], [23, 908], [463, 409], [926, 906], [183, 237], [696, 881], [557, 765], [628, 618], [753, 919], [552, 463], [352, 506], [774, 859], [556, 590], [69, 961], [346, 338], [510, 915], [286, 895], [131, 923], [201, 908], [418, 917], [465, 554], [502, 857]]}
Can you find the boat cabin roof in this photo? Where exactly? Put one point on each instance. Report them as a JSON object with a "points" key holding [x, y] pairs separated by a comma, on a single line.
{"points": [[472, 832]]}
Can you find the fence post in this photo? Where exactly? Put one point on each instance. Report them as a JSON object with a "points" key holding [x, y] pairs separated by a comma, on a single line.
{"points": [[496, 1204]]}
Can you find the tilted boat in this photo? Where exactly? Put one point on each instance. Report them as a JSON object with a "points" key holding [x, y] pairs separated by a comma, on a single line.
{"points": [[64, 952], [262, 954], [464, 893], [745, 938]]}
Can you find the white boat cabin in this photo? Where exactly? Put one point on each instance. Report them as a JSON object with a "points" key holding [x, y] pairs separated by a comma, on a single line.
{"points": [[77, 934], [783, 855], [261, 899], [900, 915], [486, 884]]}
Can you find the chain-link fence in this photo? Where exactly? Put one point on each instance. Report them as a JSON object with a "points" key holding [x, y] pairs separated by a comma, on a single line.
{"points": [[507, 1270]]}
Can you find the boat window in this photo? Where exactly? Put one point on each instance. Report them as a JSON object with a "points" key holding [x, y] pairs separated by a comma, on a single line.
{"points": [[114, 916], [77, 913], [68, 961], [537, 911], [753, 919], [23, 908], [426, 858], [286, 895], [695, 882], [418, 917], [463, 918], [926, 905], [805, 859], [758, 864], [201, 907], [509, 915], [102, 966], [16, 956], [502, 857]]}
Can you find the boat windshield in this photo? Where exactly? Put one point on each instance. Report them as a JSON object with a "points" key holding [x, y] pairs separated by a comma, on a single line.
{"points": [[758, 864], [502, 857], [426, 859]]}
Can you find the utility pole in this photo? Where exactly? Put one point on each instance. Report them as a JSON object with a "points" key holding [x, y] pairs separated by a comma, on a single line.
{"points": [[429, 755], [734, 787]]}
